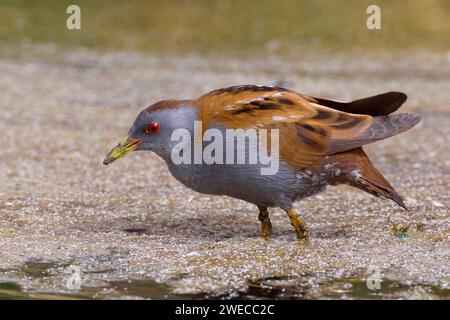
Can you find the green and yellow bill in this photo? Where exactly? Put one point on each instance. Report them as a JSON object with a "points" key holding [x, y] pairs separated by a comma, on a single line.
{"points": [[125, 146]]}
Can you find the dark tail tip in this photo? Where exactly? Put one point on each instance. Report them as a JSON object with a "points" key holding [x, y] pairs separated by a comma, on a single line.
{"points": [[399, 201], [399, 98], [380, 190], [394, 196]]}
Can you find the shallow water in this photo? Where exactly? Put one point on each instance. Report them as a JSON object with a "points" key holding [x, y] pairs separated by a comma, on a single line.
{"points": [[306, 287]]}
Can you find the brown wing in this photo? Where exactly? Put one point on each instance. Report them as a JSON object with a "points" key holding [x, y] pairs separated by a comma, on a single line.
{"points": [[307, 131], [252, 106]]}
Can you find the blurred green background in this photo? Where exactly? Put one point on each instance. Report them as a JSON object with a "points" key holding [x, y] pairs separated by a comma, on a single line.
{"points": [[231, 27]]}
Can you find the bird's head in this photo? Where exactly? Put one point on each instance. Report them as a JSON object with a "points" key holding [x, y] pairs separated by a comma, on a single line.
{"points": [[153, 127]]}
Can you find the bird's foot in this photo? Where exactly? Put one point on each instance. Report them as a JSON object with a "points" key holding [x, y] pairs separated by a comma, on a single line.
{"points": [[302, 234], [299, 226], [266, 229], [266, 225]]}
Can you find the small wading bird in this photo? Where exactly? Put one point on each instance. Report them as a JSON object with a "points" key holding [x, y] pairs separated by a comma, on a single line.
{"points": [[320, 144]]}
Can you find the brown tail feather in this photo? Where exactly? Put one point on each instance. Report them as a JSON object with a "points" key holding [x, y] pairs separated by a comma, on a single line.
{"points": [[382, 127], [359, 172]]}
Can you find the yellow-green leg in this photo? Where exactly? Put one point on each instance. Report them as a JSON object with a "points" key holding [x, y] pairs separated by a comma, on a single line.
{"points": [[299, 225], [266, 225]]}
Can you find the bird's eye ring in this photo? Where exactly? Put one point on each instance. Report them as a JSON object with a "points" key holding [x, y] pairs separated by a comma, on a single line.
{"points": [[153, 127]]}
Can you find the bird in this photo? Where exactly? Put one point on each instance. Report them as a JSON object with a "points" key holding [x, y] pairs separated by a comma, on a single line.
{"points": [[320, 143]]}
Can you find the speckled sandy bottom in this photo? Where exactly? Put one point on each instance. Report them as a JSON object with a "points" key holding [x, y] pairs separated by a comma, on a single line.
{"points": [[132, 220]]}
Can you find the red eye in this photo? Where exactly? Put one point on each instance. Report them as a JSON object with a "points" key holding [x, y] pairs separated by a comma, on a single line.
{"points": [[153, 127]]}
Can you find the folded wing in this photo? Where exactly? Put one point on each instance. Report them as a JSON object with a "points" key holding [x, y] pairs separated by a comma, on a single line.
{"points": [[309, 127]]}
